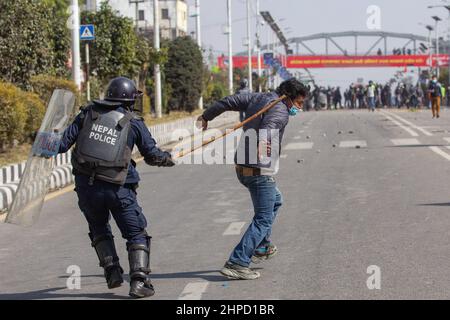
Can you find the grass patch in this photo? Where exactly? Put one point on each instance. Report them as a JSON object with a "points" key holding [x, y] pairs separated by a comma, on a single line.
{"points": [[15, 155]]}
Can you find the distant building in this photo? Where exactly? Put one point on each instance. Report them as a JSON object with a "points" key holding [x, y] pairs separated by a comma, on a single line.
{"points": [[173, 15], [174, 18]]}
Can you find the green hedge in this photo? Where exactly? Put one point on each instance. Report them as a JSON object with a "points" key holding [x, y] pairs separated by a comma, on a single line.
{"points": [[21, 114], [35, 114], [43, 85]]}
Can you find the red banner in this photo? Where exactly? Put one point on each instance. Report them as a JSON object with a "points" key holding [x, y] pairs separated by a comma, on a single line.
{"points": [[239, 62], [295, 62]]}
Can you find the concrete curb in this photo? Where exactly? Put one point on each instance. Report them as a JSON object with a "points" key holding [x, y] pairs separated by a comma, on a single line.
{"points": [[61, 177]]}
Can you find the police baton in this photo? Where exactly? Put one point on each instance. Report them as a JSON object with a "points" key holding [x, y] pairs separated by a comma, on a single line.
{"points": [[236, 127]]}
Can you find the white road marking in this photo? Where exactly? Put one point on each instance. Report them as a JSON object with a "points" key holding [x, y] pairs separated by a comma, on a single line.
{"points": [[425, 132], [440, 152], [353, 144], [301, 131], [447, 139], [297, 138], [283, 156], [411, 132], [234, 228], [299, 146], [194, 290], [405, 142]]}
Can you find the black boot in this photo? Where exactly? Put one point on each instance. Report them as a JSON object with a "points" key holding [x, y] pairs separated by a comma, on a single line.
{"points": [[139, 258], [106, 252]]}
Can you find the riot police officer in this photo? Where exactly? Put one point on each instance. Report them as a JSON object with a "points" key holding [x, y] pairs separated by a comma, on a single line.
{"points": [[104, 134]]}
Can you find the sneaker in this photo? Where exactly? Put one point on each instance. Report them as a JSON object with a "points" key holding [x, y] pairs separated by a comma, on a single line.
{"points": [[237, 272], [264, 253]]}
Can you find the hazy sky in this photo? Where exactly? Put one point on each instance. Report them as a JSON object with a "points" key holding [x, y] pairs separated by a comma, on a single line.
{"points": [[303, 18]]}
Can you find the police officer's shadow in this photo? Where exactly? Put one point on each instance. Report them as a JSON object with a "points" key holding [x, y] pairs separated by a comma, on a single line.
{"points": [[56, 293]]}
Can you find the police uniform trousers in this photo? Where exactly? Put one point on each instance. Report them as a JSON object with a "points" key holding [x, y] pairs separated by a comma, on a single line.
{"points": [[102, 199]]}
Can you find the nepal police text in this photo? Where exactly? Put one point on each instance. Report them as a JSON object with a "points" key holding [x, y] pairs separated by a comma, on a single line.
{"points": [[103, 134]]}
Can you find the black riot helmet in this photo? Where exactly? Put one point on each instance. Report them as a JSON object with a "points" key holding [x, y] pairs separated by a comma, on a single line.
{"points": [[122, 89]]}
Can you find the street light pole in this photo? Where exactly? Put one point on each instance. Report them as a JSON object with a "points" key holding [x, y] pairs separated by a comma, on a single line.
{"points": [[430, 62], [157, 74], [448, 35], [437, 19], [230, 50], [249, 49], [76, 73], [258, 45], [199, 42]]}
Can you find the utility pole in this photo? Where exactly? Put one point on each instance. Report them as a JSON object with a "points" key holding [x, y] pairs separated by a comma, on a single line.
{"points": [[157, 74], [199, 42], [258, 45], [76, 73], [249, 43], [230, 50]]}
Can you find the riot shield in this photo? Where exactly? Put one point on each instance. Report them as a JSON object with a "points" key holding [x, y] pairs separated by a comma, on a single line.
{"points": [[34, 184]]}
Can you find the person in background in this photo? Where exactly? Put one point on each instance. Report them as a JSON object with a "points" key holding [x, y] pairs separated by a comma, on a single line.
{"points": [[243, 89], [435, 95]]}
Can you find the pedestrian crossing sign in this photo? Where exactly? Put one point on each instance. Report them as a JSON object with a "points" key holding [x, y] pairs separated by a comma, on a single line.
{"points": [[87, 32]]}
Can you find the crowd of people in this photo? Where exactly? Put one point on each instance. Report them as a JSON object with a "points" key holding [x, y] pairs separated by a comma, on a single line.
{"points": [[373, 95]]}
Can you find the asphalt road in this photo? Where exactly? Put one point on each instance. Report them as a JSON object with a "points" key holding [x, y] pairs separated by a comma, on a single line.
{"points": [[384, 204]]}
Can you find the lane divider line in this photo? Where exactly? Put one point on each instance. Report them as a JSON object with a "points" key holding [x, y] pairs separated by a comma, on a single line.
{"points": [[234, 228], [353, 144], [299, 146], [405, 142], [425, 132], [438, 151], [194, 290], [411, 132]]}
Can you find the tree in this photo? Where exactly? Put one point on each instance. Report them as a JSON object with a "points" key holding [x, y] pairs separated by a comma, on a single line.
{"points": [[113, 53], [60, 36], [34, 39], [25, 48], [184, 74]]}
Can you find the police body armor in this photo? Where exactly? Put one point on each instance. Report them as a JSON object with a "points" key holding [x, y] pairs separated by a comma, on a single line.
{"points": [[101, 149]]}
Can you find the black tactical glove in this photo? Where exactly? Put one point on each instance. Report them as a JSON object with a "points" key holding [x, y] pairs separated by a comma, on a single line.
{"points": [[167, 161], [163, 161]]}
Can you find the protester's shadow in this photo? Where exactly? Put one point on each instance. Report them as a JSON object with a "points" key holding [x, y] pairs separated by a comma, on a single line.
{"points": [[205, 275]]}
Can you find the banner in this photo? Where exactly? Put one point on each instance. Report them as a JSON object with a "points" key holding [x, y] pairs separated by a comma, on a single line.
{"points": [[300, 62]]}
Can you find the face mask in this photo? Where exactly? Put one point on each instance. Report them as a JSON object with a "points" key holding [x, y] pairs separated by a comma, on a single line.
{"points": [[293, 111], [434, 81]]}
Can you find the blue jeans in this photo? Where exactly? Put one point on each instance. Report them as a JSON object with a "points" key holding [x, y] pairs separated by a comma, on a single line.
{"points": [[267, 199], [372, 103]]}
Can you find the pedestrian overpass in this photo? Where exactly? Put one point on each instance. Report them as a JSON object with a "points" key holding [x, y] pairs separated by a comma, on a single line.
{"points": [[414, 52]]}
